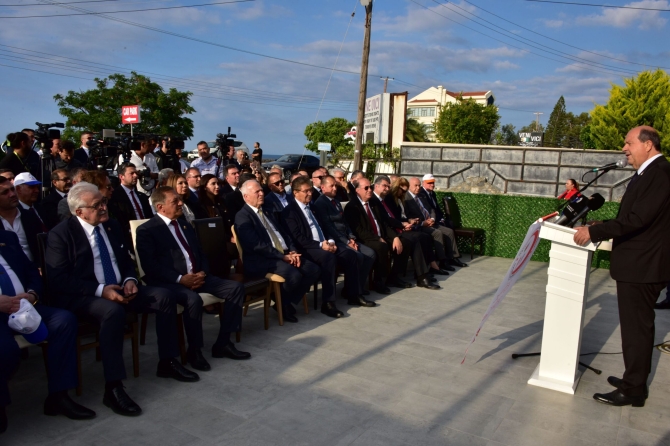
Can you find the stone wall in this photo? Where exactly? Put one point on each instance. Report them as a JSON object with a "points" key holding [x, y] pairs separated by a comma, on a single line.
{"points": [[537, 171]]}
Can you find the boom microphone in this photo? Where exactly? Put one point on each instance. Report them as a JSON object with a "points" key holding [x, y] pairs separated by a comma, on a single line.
{"points": [[578, 208], [618, 165]]}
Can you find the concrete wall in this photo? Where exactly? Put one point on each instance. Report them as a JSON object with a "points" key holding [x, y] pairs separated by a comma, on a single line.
{"points": [[538, 171]]}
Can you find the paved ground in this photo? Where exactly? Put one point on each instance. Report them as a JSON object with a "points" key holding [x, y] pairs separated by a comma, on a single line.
{"points": [[384, 376]]}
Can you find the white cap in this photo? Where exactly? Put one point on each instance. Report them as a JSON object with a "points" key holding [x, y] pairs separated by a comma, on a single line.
{"points": [[27, 179], [28, 322], [427, 177]]}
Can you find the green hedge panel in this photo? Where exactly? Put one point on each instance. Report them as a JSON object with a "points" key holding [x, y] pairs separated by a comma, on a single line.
{"points": [[506, 218]]}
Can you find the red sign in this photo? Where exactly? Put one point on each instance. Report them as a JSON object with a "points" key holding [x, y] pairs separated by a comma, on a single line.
{"points": [[130, 114]]}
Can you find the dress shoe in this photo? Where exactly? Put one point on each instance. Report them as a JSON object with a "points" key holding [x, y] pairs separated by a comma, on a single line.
{"points": [[118, 400], [616, 382], [361, 302], [444, 264], [431, 279], [663, 305], [197, 360], [458, 263], [289, 316], [60, 403], [330, 310], [439, 272], [171, 368], [3, 420], [424, 283], [616, 398], [399, 283], [229, 351]]}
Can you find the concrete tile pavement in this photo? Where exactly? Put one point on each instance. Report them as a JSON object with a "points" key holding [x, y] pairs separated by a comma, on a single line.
{"points": [[383, 376]]}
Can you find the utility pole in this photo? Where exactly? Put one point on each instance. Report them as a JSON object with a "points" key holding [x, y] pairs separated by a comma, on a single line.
{"points": [[363, 91], [386, 81], [537, 120]]}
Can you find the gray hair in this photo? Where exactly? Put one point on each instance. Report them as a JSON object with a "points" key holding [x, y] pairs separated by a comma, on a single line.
{"points": [[335, 170], [281, 169], [244, 188], [164, 174], [74, 197]]}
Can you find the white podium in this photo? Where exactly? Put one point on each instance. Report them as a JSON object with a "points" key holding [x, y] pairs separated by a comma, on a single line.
{"points": [[567, 289]]}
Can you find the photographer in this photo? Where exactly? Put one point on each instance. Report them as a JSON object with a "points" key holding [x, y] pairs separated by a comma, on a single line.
{"points": [[166, 157], [144, 161], [66, 157], [23, 158]]}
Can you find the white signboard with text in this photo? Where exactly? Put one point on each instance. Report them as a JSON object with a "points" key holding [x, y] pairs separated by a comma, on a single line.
{"points": [[377, 118]]}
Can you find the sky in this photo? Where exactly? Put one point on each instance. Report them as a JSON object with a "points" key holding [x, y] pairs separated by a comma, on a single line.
{"points": [[264, 67]]}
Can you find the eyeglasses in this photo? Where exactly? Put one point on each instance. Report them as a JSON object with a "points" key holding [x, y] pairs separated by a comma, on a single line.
{"points": [[277, 183], [366, 187], [319, 177], [97, 205], [304, 191]]}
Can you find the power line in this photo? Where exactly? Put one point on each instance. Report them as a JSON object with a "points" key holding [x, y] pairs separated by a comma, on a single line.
{"points": [[123, 11], [63, 3], [558, 41], [600, 6]]}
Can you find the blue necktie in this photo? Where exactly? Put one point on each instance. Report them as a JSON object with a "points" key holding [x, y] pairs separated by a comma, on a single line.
{"points": [[318, 229], [6, 285], [105, 258]]}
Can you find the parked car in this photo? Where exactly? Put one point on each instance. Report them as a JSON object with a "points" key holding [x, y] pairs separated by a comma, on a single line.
{"points": [[193, 154], [291, 162]]}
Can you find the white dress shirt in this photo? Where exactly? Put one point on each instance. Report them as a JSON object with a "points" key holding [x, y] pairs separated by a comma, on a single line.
{"points": [[97, 262], [18, 286], [148, 163], [272, 228], [282, 199], [131, 193], [373, 215], [310, 219], [85, 150], [646, 163], [168, 222], [207, 167], [17, 228]]}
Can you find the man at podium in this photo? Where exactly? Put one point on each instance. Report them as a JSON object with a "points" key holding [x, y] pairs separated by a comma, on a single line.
{"points": [[639, 262]]}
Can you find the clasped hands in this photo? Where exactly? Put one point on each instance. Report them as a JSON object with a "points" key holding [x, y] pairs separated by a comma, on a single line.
{"points": [[292, 258], [326, 246], [121, 294], [193, 281]]}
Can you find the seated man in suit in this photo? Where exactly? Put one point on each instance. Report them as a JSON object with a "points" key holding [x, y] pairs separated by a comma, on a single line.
{"points": [[173, 259], [127, 203], [277, 199], [20, 279], [25, 224], [313, 245], [351, 188], [267, 249], [427, 196], [48, 207], [235, 201], [193, 179], [342, 185], [317, 176], [28, 189], [232, 178], [92, 275], [329, 214]]}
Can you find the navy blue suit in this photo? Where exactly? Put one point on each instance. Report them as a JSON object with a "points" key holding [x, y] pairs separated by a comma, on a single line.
{"points": [[73, 283], [260, 257], [61, 324], [274, 207]]}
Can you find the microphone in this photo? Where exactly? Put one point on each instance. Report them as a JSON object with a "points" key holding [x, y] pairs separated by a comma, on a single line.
{"points": [[618, 165], [578, 208]]}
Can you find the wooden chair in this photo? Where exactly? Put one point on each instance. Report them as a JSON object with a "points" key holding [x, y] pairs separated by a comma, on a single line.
{"points": [[275, 284], [451, 210], [87, 329]]}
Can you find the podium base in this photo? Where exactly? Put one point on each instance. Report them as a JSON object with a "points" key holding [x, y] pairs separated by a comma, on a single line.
{"points": [[554, 384]]}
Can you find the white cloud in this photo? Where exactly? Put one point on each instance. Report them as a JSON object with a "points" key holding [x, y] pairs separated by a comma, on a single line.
{"points": [[422, 20], [553, 23], [625, 18]]}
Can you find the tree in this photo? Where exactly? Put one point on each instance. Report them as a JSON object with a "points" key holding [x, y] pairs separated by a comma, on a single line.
{"points": [[575, 124], [644, 100], [505, 136], [162, 113], [416, 131], [332, 131], [532, 127], [466, 122], [557, 125], [586, 138]]}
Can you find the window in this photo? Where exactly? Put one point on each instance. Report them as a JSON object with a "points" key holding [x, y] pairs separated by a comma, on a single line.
{"points": [[421, 112]]}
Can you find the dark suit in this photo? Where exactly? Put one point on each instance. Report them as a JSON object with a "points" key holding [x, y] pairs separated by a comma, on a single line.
{"points": [[31, 227], [71, 274], [17, 165], [260, 257], [640, 258], [429, 200], [73, 164], [234, 202], [164, 262], [316, 193], [48, 208], [299, 228], [442, 222], [61, 325], [342, 194], [274, 206], [330, 216], [444, 238], [226, 189], [124, 210], [81, 156]]}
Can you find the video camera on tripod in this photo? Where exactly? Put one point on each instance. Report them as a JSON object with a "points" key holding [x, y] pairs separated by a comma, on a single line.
{"points": [[223, 141], [44, 135]]}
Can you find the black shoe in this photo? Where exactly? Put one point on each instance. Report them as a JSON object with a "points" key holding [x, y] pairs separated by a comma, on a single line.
{"points": [[444, 264], [197, 360], [287, 315], [616, 398], [118, 400], [3, 420], [62, 404], [361, 302], [229, 351], [458, 263], [440, 272], [380, 288], [431, 279], [171, 368], [399, 283], [330, 310], [616, 382], [663, 305], [424, 283]]}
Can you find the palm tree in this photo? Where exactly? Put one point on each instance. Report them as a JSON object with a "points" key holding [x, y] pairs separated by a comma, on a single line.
{"points": [[416, 131]]}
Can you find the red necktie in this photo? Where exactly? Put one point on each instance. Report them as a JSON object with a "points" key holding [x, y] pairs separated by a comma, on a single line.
{"points": [[390, 215], [138, 208], [177, 231], [336, 206], [372, 219], [34, 212]]}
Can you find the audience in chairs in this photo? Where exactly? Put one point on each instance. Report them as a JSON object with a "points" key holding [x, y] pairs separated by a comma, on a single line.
{"points": [[173, 260], [191, 208], [91, 274], [127, 202], [15, 218]]}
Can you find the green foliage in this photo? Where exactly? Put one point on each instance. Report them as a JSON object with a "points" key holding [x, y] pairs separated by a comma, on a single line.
{"points": [[416, 131], [162, 112], [331, 131], [506, 218], [573, 133], [556, 126], [644, 100], [466, 122], [532, 127], [587, 138], [505, 135]]}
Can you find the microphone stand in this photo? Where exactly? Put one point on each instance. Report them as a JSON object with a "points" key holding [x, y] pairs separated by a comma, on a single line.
{"points": [[565, 203]]}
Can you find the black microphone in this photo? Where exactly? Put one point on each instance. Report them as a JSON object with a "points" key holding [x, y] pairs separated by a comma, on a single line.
{"points": [[576, 210], [574, 207], [618, 165]]}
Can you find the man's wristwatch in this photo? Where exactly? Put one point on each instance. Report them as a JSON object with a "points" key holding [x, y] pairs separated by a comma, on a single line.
{"points": [[35, 295]]}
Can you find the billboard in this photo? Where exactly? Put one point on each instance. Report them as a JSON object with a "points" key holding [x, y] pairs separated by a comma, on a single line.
{"points": [[531, 139], [376, 121]]}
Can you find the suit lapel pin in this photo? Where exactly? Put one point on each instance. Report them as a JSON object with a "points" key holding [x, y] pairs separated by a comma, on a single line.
{"points": [[184, 227]]}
